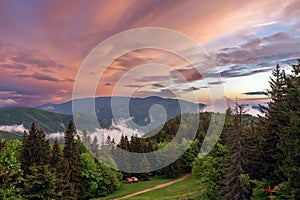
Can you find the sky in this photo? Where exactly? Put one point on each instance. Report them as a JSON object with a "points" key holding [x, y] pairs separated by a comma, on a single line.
{"points": [[43, 44]]}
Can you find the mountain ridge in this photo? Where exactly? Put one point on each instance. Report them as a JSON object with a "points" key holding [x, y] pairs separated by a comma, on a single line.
{"points": [[136, 108]]}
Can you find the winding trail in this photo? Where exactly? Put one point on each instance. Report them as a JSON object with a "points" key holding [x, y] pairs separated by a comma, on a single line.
{"points": [[154, 188]]}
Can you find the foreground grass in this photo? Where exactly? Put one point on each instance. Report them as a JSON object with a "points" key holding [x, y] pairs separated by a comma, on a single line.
{"points": [[186, 189], [135, 187]]}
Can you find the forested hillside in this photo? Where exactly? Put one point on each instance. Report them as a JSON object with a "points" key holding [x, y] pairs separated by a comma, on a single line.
{"points": [[138, 108], [35, 169], [251, 156], [10, 135], [50, 122]]}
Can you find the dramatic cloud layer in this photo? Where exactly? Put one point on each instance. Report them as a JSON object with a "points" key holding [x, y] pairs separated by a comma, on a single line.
{"points": [[44, 43]]}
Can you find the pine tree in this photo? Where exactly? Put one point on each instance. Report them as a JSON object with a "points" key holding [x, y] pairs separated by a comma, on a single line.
{"points": [[35, 154], [56, 155], [236, 139], [121, 157], [145, 166], [107, 149], [174, 169], [57, 168], [289, 142], [271, 127], [86, 139], [72, 165], [95, 148], [208, 170], [39, 184], [35, 149]]}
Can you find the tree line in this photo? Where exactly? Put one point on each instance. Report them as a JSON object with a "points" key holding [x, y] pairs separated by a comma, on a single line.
{"points": [[35, 169], [251, 155]]}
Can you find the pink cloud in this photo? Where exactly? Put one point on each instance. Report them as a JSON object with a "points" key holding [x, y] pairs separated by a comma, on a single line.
{"points": [[7, 102], [50, 39]]}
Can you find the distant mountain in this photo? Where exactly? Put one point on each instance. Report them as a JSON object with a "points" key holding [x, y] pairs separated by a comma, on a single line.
{"points": [[10, 136], [54, 117], [50, 122], [138, 109]]}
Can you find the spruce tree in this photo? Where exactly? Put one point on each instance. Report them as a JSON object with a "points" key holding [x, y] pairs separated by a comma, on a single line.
{"points": [[39, 184], [144, 165], [174, 169], [57, 168], [72, 165], [121, 158], [95, 148], [241, 155], [56, 155], [86, 139], [289, 142], [35, 149], [271, 127]]}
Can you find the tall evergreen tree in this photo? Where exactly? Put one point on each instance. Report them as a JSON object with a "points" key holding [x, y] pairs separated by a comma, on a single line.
{"points": [[35, 149], [289, 142], [174, 169], [208, 170], [39, 184], [57, 168], [56, 155], [236, 139], [121, 157], [271, 127], [94, 148], [72, 165], [86, 139]]}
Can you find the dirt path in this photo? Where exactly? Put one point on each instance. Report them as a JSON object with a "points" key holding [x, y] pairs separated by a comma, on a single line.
{"points": [[154, 188]]}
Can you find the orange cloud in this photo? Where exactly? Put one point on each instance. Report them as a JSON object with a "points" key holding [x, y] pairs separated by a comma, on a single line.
{"points": [[56, 36]]}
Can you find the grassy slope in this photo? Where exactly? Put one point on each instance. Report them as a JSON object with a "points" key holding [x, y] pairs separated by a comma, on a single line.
{"points": [[185, 189], [132, 188]]}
